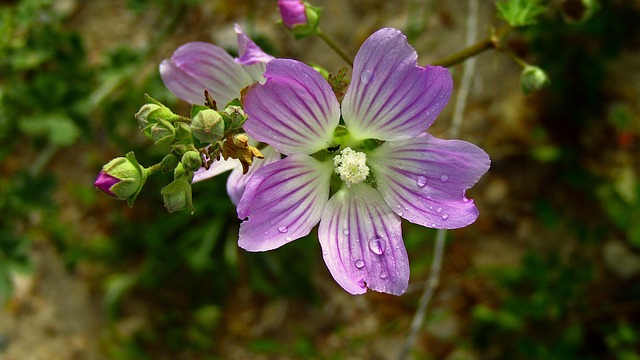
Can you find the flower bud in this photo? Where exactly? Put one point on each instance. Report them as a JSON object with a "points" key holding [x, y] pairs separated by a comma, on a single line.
{"points": [[162, 132], [299, 17], [169, 163], [122, 178], [191, 160], [177, 196], [207, 126], [151, 113], [532, 79], [233, 116]]}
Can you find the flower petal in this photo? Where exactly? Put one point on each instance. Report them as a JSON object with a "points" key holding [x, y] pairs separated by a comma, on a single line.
{"points": [[238, 181], [283, 201], [197, 66], [216, 168], [361, 241], [295, 111], [424, 179], [390, 96], [250, 53]]}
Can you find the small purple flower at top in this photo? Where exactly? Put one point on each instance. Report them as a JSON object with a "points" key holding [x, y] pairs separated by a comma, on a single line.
{"points": [[359, 179], [293, 12], [198, 66]]}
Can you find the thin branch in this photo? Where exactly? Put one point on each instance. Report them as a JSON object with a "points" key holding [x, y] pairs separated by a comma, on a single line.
{"points": [[492, 42], [454, 131], [334, 46]]}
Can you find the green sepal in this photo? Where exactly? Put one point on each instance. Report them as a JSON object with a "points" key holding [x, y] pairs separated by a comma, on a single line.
{"points": [[196, 109], [177, 196], [143, 177], [313, 20]]}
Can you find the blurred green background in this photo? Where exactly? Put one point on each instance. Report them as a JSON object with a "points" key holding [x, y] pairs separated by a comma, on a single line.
{"points": [[550, 270]]}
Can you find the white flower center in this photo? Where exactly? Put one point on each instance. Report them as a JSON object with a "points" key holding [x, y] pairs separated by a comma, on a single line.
{"points": [[351, 166]]}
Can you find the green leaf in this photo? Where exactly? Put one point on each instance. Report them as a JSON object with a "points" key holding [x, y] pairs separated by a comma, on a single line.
{"points": [[57, 128], [520, 12]]}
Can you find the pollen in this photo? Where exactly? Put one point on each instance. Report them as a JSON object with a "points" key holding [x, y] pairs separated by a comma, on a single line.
{"points": [[351, 166]]}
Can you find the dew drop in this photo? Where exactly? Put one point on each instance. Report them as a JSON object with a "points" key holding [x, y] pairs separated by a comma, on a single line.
{"points": [[384, 274], [444, 178], [433, 225], [362, 283], [422, 181], [366, 76], [445, 216], [359, 263], [439, 210], [376, 245], [400, 164], [283, 229], [288, 238], [345, 231]]}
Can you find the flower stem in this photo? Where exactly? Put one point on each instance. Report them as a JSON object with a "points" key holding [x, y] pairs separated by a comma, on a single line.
{"points": [[454, 131], [493, 41], [334, 46], [153, 169]]}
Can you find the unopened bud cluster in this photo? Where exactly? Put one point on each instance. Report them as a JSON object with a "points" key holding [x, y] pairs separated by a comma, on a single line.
{"points": [[195, 142]]}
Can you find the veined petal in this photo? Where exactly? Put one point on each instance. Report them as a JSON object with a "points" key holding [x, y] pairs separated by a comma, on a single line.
{"points": [[237, 181], [283, 201], [424, 179], [216, 168], [295, 111], [390, 97], [361, 241], [198, 66], [250, 53]]}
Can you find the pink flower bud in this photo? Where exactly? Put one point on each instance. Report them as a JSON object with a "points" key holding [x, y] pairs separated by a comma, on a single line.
{"points": [[293, 12], [104, 182]]}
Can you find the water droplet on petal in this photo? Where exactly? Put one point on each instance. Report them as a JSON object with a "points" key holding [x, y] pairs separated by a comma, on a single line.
{"points": [[376, 245], [366, 76], [439, 210], [433, 225], [345, 231], [445, 216], [444, 177], [422, 181], [384, 274], [359, 263], [283, 229], [288, 238]]}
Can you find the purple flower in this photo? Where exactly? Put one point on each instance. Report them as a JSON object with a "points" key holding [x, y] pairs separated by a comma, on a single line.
{"points": [[385, 168], [293, 12], [197, 66]]}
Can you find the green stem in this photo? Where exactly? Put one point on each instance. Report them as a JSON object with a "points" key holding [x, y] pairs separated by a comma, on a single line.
{"points": [[492, 42], [153, 169], [334, 46]]}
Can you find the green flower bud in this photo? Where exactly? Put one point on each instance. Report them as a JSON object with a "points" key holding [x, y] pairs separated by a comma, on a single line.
{"points": [[169, 163], [183, 131], [122, 178], [233, 116], [532, 79], [177, 196], [207, 126], [151, 113], [162, 132], [191, 160]]}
